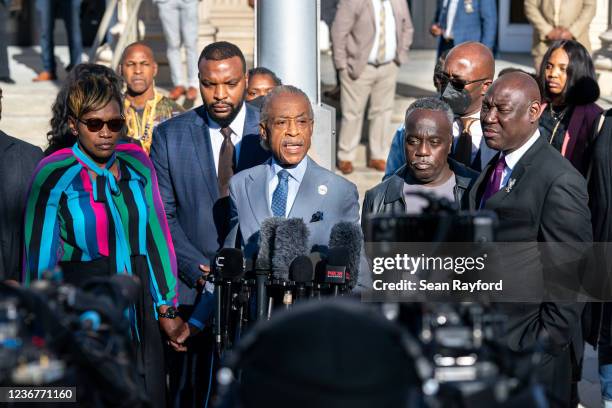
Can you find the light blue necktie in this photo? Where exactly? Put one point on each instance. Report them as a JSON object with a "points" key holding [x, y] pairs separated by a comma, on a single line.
{"points": [[279, 197]]}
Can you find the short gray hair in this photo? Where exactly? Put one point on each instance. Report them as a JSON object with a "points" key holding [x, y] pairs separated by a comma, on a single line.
{"points": [[281, 90], [431, 104]]}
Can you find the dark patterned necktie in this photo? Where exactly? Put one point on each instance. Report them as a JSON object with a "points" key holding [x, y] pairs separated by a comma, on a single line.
{"points": [[225, 171], [279, 197], [493, 186], [463, 150]]}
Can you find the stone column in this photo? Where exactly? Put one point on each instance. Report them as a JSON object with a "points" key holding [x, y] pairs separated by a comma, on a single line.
{"points": [[206, 31], [234, 20], [599, 24], [603, 57]]}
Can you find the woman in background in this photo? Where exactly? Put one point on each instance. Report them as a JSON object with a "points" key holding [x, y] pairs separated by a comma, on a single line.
{"points": [[569, 87]]}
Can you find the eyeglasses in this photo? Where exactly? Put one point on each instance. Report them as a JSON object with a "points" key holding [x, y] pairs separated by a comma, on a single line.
{"points": [[458, 84], [95, 125]]}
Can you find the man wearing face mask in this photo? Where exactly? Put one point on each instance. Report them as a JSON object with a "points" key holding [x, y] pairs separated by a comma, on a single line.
{"points": [[467, 73]]}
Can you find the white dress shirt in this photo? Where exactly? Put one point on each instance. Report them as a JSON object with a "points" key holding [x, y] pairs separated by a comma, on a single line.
{"points": [[296, 174], [216, 138], [450, 17], [390, 40], [478, 142], [513, 158]]}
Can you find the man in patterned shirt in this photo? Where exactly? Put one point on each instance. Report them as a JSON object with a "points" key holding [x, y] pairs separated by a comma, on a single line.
{"points": [[144, 107]]}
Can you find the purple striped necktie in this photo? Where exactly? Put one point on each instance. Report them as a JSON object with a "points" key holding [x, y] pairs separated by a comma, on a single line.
{"points": [[494, 180]]}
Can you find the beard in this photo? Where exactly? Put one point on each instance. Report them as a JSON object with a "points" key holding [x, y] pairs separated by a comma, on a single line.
{"points": [[227, 120]]}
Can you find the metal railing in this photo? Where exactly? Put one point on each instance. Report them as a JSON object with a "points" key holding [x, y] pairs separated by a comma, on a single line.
{"points": [[126, 36]]}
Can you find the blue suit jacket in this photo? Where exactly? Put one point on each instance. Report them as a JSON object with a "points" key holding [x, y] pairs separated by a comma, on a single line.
{"points": [[320, 191], [199, 221], [481, 25]]}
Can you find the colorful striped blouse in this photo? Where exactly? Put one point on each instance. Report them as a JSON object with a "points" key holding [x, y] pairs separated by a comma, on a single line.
{"points": [[72, 216]]}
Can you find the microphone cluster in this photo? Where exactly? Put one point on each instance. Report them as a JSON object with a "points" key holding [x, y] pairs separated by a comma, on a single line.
{"points": [[285, 272]]}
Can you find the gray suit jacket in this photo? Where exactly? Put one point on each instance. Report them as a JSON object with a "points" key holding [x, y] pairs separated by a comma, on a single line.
{"points": [[354, 29], [320, 191]]}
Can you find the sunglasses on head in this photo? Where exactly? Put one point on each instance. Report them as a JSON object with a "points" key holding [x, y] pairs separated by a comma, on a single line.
{"points": [[95, 125], [458, 84]]}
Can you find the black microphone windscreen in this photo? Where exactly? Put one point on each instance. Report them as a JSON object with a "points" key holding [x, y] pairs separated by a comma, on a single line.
{"points": [[338, 256], [229, 263], [290, 241], [348, 235], [266, 242], [301, 270]]}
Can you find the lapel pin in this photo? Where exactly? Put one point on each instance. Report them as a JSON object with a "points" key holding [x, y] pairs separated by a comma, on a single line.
{"points": [[511, 183], [322, 189]]}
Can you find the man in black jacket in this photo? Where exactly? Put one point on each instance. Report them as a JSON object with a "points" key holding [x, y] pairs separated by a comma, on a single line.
{"points": [[17, 163], [428, 142], [539, 198]]}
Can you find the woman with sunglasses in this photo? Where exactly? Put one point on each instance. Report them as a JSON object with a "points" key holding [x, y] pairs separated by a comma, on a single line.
{"points": [[94, 210], [568, 85], [60, 136]]}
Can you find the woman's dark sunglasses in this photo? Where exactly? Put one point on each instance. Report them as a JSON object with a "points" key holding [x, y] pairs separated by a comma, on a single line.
{"points": [[458, 84], [95, 125]]}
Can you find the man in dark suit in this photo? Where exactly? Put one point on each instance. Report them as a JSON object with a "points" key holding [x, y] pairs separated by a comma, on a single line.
{"points": [[17, 163], [194, 155], [538, 197], [459, 21]]}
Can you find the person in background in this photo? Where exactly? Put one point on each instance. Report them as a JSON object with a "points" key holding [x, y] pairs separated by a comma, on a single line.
{"points": [[144, 107], [554, 20], [569, 87], [428, 142], [397, 154], [370, 40], [468, 71], [48, 10], [328, 14], [18, 160], [179, 19], [5, 73], [459, 21], [95, 210], [61, 136], [260, 81]]}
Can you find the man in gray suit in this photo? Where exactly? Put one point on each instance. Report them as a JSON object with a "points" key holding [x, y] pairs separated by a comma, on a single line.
{"points": [[292, 184]]}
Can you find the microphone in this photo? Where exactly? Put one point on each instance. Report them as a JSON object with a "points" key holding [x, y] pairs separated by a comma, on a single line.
{"points": [[263, 263], [301, 272], [290, 241], [267, 234], [229, 264], [228, 268], [348, 235], [336, 268], [319, 266]]}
